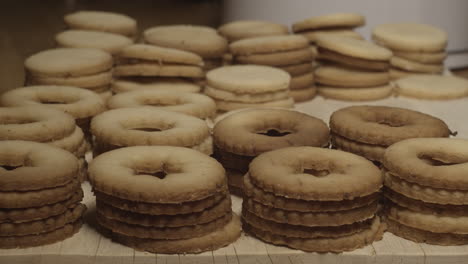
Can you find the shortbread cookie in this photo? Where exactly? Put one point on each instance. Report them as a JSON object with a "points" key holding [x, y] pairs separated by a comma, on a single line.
{"points": [[312, 35], [226, 106], [278, 171], [322, 244], [396, 73], [301, 95], [68, 62], [409, 65], [154, 69], [289, 204], [217, 239], [136, 53], [410, 37], [102, 21], [41, 239], [341, 76], [108, 42], [421, 236], [268, 44], [219, 94], [200, 40], [302, 81], [422, 57], [248, 79], [176, 85], [383, 125], [189, 175], [297, 69], [281, 58], [355, 94], [92, 82], [193, 104], [371, 152], [43, 225], [436, 87], [349, 61], [243, 29], [241, 133], [330, 21]]}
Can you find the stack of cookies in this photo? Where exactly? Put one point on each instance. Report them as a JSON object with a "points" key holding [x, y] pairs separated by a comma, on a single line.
{"points": [[369, 130], [201, 40], [163, 199], [358, 70], [149, 64], [45, 125], [39, 194], [417, 48], [243, 86], [103, 22], [81, 67], [341, 24], [241, 136], [313, 199], [290, 53], [426, 183]]}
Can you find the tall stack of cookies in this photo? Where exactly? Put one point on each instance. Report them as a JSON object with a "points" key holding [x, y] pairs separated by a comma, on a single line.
{"points": [[425, 182], [80, 67], [290, 53], [243, 86], [39, 194], [201, 40], [369, 130], [163, 200], [353, 69], [142, 65], [417, 48], [313, 199], [341, 24], [241, 136]]}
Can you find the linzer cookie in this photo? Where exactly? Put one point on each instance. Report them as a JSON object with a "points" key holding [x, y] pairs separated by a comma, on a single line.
{"points": [[39, 194], [178, 196], [241, 136], [292, 199], [243, 29], [368, 130], [432, 87], [425, 190], [108, 42]]}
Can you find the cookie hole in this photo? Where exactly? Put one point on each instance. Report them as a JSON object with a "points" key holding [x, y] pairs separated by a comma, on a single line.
{"points": [[147, 129], [274, 133], [391, 123], [437, 162], [161, 174], [316, 173], [10, 168], [158, 102]]}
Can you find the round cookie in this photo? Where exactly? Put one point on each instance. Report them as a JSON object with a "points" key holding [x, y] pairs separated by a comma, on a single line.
{"points": [[341, 76], [282, 58], [410, 37], [226, 106], [302, 81], [355, 48], [166, 84], [108, 42], [422, 57], [436, 87], [313, 35], [94, 82], [355, 94], [413, 66], [330, 21], [159, 55], [268, 44], [102, 21], [65, 62], [297, 69], [305, 94], [200, 40], [243, 29], [266, 97], [154, 69]]}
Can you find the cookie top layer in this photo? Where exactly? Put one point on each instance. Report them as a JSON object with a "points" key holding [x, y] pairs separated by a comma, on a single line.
{"points": [[108, 42], [432, 87], [410, 37], [243, 29], [354, 47], [338, 75], [68, 62], [201, 40], [248, 79], [102, 21], [268, 44], [312, 35], [330, 20], [160, 54]]}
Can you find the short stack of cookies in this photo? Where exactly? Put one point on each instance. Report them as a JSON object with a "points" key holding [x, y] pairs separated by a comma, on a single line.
{"points": [[242, 86], [417, 48], [313, 199], [201, 40], [341, 24], [163, 199], [426, 188], [353, 69], [243, 135], [147, 65], [368, 130], [290, 53], [39, 194], [80, 67], [45, 125]]}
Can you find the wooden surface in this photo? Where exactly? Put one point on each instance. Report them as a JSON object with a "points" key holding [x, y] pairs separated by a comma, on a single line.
{"points": [[89, 247]]}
